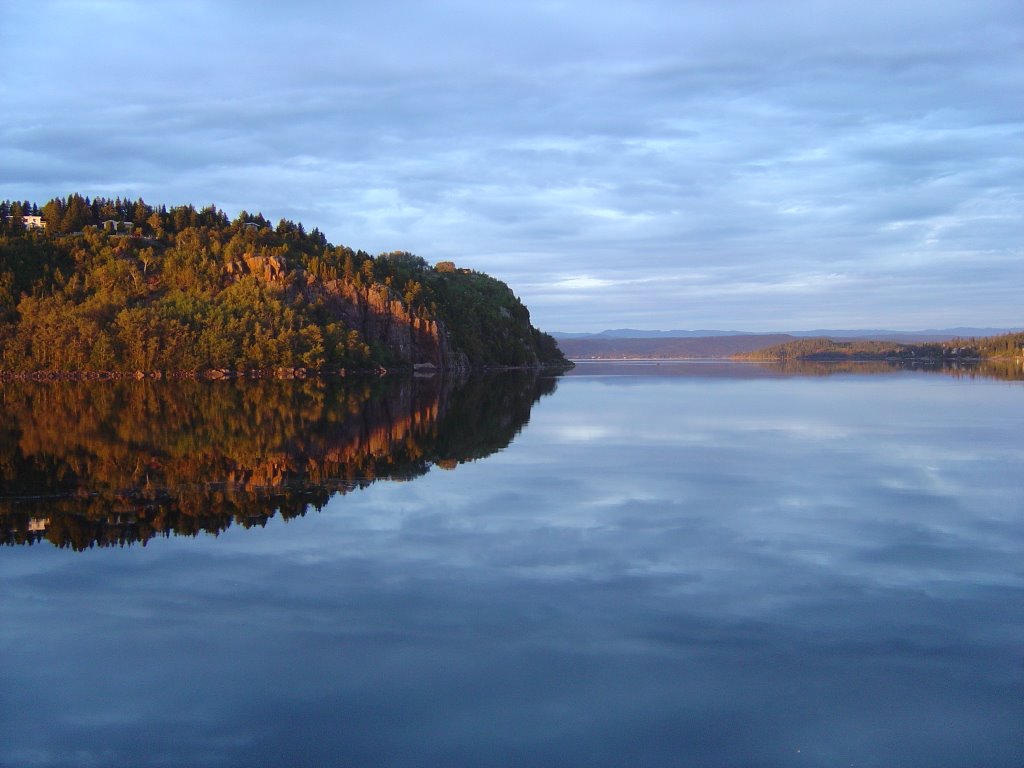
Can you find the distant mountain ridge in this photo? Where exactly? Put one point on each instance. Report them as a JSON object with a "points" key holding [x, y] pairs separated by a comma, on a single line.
{"points": [[846, 333], [633, 333], [668, 348], [626, 343]]}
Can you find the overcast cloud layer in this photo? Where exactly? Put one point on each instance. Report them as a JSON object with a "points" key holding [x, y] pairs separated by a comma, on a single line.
{"points": [[757, 165]]}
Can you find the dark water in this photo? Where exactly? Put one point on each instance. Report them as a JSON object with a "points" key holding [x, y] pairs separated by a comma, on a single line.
{"points": [[676, 565]]}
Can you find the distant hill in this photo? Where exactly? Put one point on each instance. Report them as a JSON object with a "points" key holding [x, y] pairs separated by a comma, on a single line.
{"points": [[633, 333], [633, 344], [668, 348], [873, 334], [908, 337], [1007, 346]]}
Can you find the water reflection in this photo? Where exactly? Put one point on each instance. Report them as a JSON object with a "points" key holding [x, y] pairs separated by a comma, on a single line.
{"points": [[721, 572], [998, 369], [1002, 369], [117, 463]]}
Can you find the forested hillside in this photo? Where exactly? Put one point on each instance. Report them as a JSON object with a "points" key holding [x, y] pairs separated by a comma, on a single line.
{"points": [[121, 286]]}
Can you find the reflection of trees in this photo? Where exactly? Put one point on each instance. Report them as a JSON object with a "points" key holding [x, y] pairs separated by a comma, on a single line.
{"points": [[1004, 369], [115, 463], [813, 368], [994, 368]]}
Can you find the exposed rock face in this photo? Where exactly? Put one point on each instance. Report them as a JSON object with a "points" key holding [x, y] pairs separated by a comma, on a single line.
{"points": [[375, 311], [383, 320], [270, 269]]}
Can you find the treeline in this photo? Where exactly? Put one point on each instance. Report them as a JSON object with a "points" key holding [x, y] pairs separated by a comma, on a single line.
{"points": [[1009, 346], [123, 286], [75, 212]]}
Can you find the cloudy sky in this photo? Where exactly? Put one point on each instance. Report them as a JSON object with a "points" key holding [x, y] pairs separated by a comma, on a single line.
{"points": [[756, 165]]}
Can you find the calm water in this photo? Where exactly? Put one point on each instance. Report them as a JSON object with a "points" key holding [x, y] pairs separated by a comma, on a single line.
{"points": [[675, 565]]}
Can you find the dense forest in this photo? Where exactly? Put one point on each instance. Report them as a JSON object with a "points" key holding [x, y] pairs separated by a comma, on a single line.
{"points": [[1007, 346], [99, 285]]}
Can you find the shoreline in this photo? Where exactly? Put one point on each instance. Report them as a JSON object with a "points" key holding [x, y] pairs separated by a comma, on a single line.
{"points": [[256, 374]]}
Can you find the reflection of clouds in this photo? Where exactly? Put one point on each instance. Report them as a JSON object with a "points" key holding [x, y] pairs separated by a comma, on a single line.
{"points": [[822, 490], [581, 433], [589, 602]]}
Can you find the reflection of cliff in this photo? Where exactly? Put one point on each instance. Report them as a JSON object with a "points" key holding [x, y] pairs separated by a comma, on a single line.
{"points": [[116, 463]]}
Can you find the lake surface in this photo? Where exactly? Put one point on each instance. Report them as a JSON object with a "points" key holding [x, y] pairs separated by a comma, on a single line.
{"points": [[650, 565]]}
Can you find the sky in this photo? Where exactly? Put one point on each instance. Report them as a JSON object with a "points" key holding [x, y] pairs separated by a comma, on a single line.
{"points": [[696, 164]]}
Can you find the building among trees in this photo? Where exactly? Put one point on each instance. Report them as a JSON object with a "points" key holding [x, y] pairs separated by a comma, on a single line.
{"points": [[29, 221]]}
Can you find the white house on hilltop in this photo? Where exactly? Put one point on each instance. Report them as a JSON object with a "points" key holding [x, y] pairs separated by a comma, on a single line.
{"points": [[31, 222]]}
